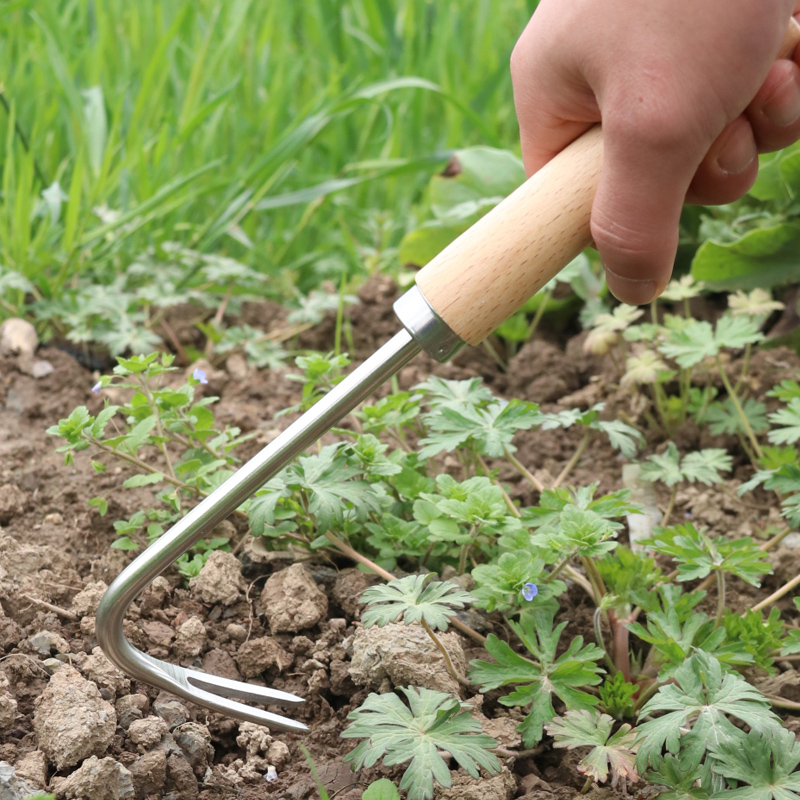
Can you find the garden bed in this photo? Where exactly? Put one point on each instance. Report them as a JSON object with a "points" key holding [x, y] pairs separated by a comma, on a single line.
{"points": [[55, 554]]}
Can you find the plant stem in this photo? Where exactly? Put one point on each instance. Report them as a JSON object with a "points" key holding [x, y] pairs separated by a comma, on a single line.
{"points": [[539, 314], [387, 576], [509, 502], [622, 659], [780, 702], [445, 655], [580, 580], [748, 349], [670, 506], [576, 457], [523, 470], [162, 445], [465, 548], [775, 596], [720, 597], [561, 565], [654, 311], [739, 410]]}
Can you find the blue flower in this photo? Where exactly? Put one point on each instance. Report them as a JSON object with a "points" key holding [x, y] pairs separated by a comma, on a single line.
{"points": [[97, 387], [200, 375], [529, 591]]}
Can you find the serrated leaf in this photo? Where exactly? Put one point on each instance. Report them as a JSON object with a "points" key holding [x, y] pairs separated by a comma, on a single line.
{"points": [[538, 679], [431, 723], [789, 421], [765, 761], [415, 598], [701, 699], [609, 753]]}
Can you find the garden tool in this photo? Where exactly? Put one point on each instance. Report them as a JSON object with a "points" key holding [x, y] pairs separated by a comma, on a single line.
{"points": [[459, 298]]}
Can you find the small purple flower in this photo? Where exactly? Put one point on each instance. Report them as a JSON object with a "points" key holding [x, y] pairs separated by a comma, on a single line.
{"points": [[529, 591], [200, 375], [97, 387]]}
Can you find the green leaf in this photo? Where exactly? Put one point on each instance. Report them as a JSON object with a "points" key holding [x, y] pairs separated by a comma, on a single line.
{"points": [[609, 753], [138, 435], [136, 481], [538, 679], [702, 465], [415, 598], [765, 761], [702, 698], [763, 257], [431, 723], [382, 789], [789, 421]]}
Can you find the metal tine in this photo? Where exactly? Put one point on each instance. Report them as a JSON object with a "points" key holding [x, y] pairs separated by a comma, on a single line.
{"points": [[242, 691], [197, 687]]}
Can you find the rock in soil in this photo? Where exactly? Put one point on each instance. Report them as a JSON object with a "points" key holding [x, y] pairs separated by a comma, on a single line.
{"points": [[71, 720], [404, 655], [220, 580], [8, 705], [12, 786], [18, 337], [292, 601], [499, 787], [256, 741], [98, 779]]}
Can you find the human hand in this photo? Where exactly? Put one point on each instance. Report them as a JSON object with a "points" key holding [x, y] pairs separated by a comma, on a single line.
{"points": [[689, 93]]}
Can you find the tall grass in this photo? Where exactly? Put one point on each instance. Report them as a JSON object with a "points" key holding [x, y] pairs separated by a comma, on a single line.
{"points": [[283, 133]]}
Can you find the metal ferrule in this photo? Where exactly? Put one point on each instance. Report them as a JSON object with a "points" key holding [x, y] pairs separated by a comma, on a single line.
{"points": [[428, 329]]}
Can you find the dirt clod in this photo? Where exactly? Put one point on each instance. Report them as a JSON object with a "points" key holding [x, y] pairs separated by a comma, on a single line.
{"points": [[195, 741], [404, 655], [71, 720], [181, 778], [191, 639], [109, 679], [149, 773], [98, 779], [131, 707], [85, 603], [292, 601], [13, 786], [171, 710], [260, 654], [33, 768], [497, 787], [12, 502], [147, 732], [220, 580]]}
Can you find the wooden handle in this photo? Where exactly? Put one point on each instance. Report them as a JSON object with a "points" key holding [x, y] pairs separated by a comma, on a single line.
{"points": [[493, 268]]}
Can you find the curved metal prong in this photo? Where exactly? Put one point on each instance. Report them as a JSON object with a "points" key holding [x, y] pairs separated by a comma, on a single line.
{"points": [[198, 687]]}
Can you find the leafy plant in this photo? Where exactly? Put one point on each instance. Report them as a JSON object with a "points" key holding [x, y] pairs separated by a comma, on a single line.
{"points": [[432, 722], [540, 678], [612, 755]]}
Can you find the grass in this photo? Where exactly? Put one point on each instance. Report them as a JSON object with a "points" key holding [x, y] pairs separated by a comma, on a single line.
{"points": [[295, 137]]}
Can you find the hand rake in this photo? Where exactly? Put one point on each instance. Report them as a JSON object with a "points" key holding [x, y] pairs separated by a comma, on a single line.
{"points": [[459, 298]]}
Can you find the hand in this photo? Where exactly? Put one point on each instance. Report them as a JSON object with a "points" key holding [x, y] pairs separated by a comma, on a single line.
{"points": [[689, 92]]}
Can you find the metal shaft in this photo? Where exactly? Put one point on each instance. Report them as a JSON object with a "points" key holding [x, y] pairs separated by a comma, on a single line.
{"points": [[342, 399]]}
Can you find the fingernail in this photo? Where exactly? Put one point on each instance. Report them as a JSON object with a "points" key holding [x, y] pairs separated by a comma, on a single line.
{"points": [[633, 291], [737, 154], [783, 108]]}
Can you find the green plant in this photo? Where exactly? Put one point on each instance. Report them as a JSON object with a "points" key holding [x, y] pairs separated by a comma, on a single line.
{"points": [[432, 722]]}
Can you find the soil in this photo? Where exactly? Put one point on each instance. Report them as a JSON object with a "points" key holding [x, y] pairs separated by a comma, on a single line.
{"points": [[53, 546]]}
